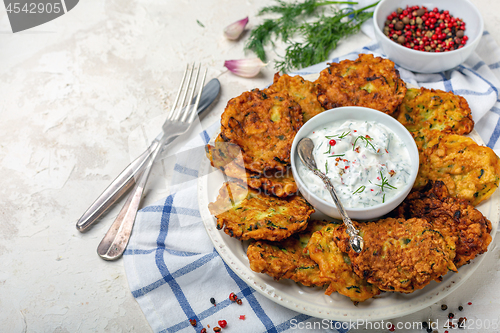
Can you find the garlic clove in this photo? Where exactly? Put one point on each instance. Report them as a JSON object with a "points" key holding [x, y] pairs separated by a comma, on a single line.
{"points": [[245, 67], [234, 30]]}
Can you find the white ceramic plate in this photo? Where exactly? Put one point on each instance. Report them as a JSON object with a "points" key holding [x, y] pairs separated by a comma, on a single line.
{"points": [[313, 301]]}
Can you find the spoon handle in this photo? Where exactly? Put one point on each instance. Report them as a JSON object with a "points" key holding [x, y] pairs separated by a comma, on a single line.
{"points": [[351, 230]]}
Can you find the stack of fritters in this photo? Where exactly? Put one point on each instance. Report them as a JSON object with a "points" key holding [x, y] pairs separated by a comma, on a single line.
{"points": [[435, 230], [452, 217], [438, 121]]}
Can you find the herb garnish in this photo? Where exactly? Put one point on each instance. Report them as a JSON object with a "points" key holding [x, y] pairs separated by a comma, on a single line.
{"points": [[366, 140], [340, 155], [360, 189], [318, 38], [384, 183], [343, 135]]}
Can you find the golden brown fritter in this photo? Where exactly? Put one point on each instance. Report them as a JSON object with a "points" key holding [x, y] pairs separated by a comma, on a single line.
{"points": [[278, 183], [469, 171], [368, 81], [227, 157], [302, 91], [336, 266], [245, 213], [435, 110], [263, 125], [399, 255], [453, 217], [286, 259]]}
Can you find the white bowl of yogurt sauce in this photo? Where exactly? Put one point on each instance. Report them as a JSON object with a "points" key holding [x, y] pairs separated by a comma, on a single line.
{"points": [[370, 158]]}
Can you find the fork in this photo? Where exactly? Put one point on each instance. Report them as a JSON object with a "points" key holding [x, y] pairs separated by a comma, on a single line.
{"points": [[179, 120]]}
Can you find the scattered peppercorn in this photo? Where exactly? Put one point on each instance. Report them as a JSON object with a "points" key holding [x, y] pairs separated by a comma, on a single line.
{"points": [[193, 322], [203, 330], [239, 301], [429, 330], [212, 300], [424, 324], [222, 323], [451, 315], [444, 307], [425, 30], [217, 329], [233, 297], [460, 308]]}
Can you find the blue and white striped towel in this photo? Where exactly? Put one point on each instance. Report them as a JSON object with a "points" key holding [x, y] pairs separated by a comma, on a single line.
{"points": [[172, 268]]}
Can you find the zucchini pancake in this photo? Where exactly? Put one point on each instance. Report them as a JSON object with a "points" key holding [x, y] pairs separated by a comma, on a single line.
{"points": [[263, 124], [302, 91], [227, 157], [368, 81], [399, 254], [335, 265], [452, 217], [435, 230], [435, 110], [469, 171], [287, 259], [245, 213]]}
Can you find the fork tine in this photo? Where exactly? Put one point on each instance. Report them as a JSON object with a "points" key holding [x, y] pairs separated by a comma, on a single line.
{"points": [[174, 106], [195, 106], [178, 109], [188, 106]]}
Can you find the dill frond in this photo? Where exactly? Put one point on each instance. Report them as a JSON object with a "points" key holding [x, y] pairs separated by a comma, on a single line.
{"points": [[320, 37]]}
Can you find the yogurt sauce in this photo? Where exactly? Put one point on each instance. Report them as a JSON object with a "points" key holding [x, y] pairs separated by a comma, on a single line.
{"points": [[367, 163]]}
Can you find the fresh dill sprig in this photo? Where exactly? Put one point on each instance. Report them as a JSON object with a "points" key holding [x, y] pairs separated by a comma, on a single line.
{"points": [[321, 37], [292, 22], [366, 140], [340, 155]]}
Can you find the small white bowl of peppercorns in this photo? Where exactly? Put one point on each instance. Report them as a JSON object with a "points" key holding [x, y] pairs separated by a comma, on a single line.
{"points": [[428, 37]]}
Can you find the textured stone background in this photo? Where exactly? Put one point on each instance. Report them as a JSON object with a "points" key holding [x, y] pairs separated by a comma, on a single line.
{"points": [[80, 97]]}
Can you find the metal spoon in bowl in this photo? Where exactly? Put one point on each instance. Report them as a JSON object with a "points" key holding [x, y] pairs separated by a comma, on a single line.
{"points": [[304, 149]]}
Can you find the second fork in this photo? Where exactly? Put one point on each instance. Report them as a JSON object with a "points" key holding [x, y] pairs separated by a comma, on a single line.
{"points": [[180, 119]]}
